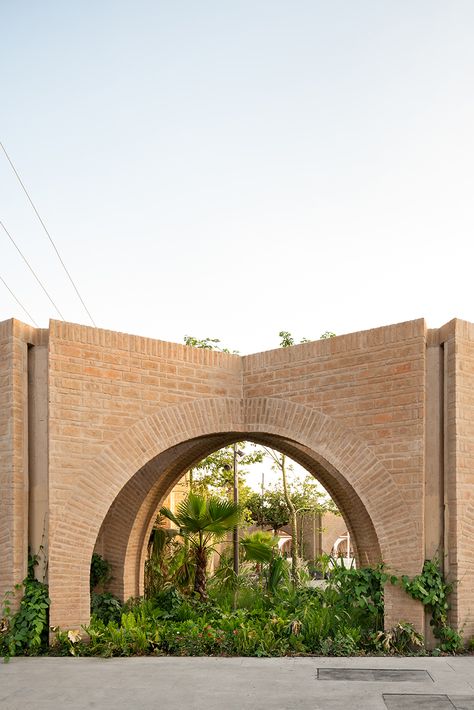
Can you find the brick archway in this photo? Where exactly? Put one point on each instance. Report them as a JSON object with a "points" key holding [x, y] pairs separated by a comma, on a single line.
{"points": [[166, 442], [383, 417]]}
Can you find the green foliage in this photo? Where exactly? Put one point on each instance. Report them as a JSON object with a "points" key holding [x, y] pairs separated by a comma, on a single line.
{"points": [[248, 620], [202, 522], [65, 642], [168, 564], [433, 591], [361, 589], [402, 640], [269, 510], [277, 574], [101, 572], [263, 571], [207, 344], [259, 546], [26, 632], [345, 642], [106, 607], [244, 622], [214, 475], [287, 340]]}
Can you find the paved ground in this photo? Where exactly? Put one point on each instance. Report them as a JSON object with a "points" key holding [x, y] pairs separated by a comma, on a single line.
{"points": [[237, 683]]}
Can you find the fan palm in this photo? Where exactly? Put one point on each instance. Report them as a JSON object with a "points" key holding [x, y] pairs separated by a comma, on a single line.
{"points": [[202, 522], [259, 546], [262, 547], [168, 562]]}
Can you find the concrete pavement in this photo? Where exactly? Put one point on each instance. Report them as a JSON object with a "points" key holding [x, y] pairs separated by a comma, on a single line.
{"points": [[237, 683]]}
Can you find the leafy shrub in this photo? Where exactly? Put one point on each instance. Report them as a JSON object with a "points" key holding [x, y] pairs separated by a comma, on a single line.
{"points": [[129, 637], [106, 607], [101, 572], [361, 591], [402, 639], [345, 642], [242, 619], [168, 564], [26, 632]]}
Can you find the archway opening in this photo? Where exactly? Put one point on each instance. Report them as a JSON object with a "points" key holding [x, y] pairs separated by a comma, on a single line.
{"points": [[126, 528], [124, 485]]}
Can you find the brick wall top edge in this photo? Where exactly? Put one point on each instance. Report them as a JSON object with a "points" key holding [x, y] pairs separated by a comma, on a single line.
{"points": [[341, 343], [455, 328], [463, 329], [359, 340], [433, 337], [446, 331], [134, 343], [23, 331], [6, 328]]}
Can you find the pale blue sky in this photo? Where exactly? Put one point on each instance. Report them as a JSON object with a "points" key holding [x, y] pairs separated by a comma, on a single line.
{"points": [[231, 169]]}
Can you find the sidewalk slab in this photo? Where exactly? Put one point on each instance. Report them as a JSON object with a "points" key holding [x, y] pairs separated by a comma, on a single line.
{"points": [[234, 683]]}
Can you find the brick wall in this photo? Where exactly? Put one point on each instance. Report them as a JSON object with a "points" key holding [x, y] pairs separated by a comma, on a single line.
{"points": [[372, 383], [101, 383], [127, 415], [460, 472], [14, 340]]}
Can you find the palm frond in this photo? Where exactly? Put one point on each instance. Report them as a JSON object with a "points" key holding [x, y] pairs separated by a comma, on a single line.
{"points": [[258, 550], [167, 513], [199, 514]]}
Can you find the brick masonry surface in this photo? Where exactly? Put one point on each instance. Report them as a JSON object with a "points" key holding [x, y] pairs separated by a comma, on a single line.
{"points": [[384, 418]]}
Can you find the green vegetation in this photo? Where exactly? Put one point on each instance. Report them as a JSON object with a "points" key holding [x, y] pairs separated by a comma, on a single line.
{"points": [[431, 589], [255, 617], [101, 572], [259, 613], [249, 620], [202, 522], [214, 474], [168, 564], [26, 632]]}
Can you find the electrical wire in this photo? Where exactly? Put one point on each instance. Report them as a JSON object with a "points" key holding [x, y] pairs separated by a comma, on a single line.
{"points": [[47, 233], [19, 302], [30, 267]]}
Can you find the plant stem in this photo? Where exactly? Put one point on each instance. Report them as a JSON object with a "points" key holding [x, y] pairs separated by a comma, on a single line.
{"points": [[293, 521]]}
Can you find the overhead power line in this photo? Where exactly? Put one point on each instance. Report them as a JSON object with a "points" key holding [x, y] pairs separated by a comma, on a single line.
{"points": [[19, 302], [30, 267], [47, 233]]}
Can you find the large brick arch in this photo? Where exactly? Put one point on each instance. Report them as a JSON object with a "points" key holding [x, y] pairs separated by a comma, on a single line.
{"points": [[166, 442], [96, 422], [128, 524]]}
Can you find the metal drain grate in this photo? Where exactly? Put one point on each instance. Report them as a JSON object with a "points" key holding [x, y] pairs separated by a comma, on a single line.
{"points": [[404, 701], [383, 675]]}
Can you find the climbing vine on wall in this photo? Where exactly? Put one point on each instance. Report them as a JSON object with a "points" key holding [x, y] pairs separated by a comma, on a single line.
{"points": [[431, 589]]}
